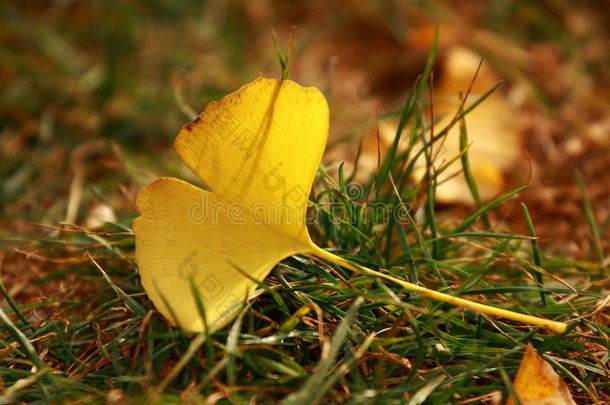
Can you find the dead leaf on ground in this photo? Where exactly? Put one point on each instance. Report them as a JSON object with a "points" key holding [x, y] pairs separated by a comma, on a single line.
{"points": [[537, 383]]}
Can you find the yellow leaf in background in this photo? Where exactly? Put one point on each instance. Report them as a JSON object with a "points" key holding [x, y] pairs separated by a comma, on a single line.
{"points": [[495, 144], [537, 383], [493, 135], [99, 215], [257, 150]]}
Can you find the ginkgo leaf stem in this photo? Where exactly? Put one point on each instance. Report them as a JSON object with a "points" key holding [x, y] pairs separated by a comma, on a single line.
{"points": [[557, 327]]}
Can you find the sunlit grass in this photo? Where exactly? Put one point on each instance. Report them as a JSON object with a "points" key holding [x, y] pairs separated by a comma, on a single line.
{"points": [[316, 332]]}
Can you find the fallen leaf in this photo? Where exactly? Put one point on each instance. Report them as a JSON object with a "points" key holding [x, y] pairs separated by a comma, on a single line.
{"points": [[99, 215], [537, 383], [257, 150], [495, 144], [493, 135]]}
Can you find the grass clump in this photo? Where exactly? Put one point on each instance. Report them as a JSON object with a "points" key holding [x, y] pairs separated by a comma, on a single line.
{"points": [[318, 333]]}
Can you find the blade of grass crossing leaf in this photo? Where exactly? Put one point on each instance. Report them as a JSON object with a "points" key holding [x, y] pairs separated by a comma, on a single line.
{"points": [[349, 206], [262, 285], [411, 106], [231, 348], [474, 105], [487, 207], [431, 221], [444, 131], [388, 161], [405, 157], [509, 385], [430, 180], [359, 232], [446, 166], [590, 217], [166, 302], [199, 300], [208, 344], [577, 381], [472, 185], [535, 250]]}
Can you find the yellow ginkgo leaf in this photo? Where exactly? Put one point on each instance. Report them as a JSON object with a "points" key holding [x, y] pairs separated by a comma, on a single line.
{"points": [[257, 150]]}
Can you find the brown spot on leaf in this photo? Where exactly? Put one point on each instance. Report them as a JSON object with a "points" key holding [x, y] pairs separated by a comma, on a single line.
{"points": [[189, 126]]}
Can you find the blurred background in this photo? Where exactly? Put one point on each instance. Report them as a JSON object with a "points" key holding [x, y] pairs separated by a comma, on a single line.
{"points": [[93, 94]]}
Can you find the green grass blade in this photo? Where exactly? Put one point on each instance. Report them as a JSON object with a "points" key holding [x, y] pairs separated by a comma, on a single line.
{"points": [[590, 217], [310, 393], [472, 185], [535, 250]]}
